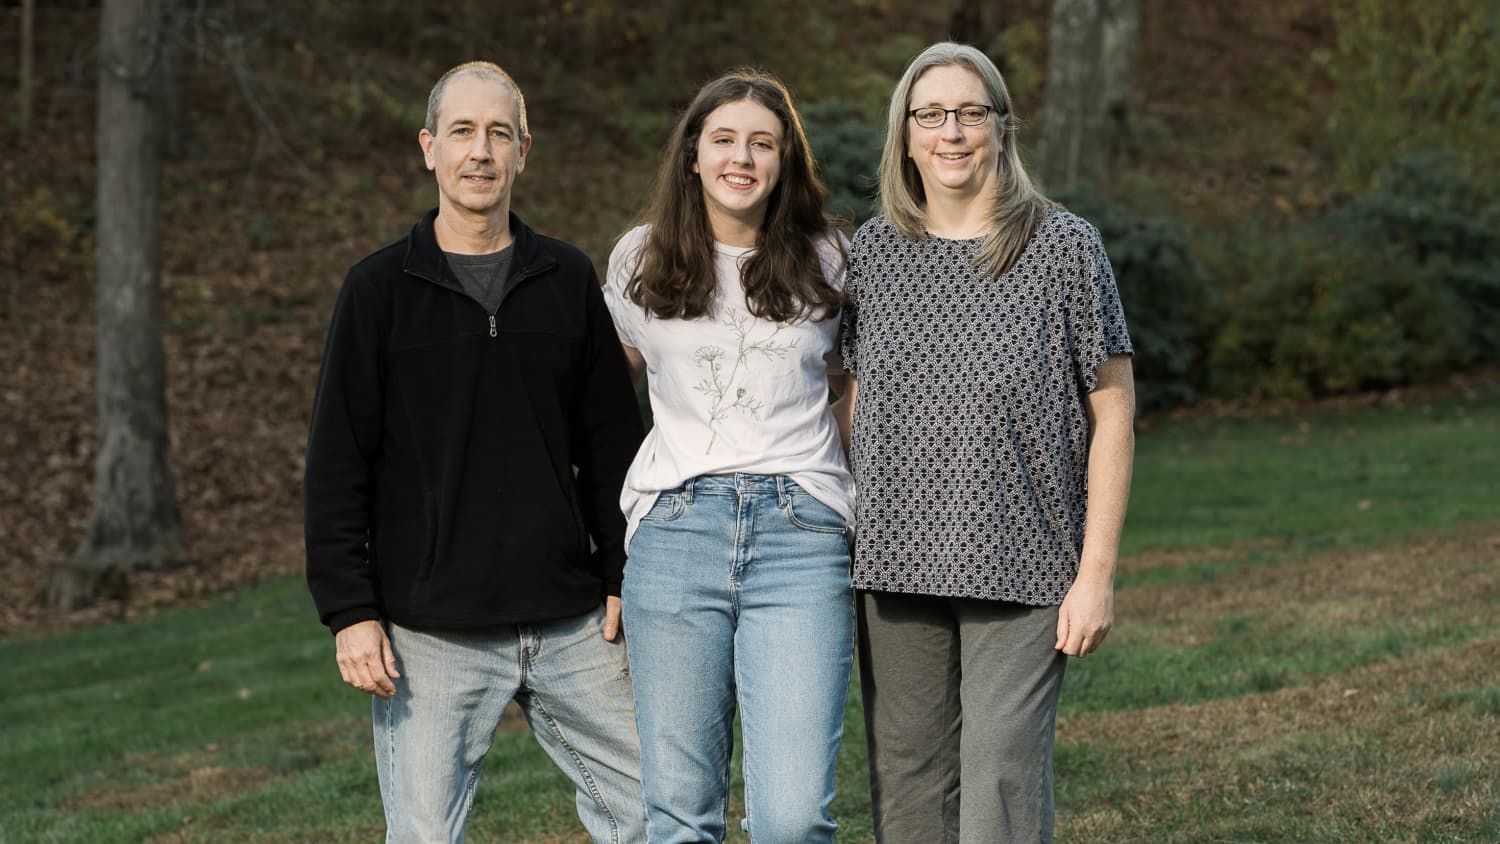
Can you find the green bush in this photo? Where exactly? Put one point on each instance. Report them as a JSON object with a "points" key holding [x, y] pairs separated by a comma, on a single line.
{"points": [[1166, 293], [848, 152], [1449, 223], [1399, 285]]}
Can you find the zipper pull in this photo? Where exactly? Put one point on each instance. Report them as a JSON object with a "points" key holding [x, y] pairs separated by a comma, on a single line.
{"points": [[493, 332]]}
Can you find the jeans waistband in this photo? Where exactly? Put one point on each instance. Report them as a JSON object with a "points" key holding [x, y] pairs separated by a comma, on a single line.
{"points": [[739, 483]]}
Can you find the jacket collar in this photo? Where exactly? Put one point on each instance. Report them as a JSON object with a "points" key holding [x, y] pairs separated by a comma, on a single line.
{"points": [[424, 258]]}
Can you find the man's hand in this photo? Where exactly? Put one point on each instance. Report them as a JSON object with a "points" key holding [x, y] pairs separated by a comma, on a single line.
{"points": [[365, 658], [611, 618]]}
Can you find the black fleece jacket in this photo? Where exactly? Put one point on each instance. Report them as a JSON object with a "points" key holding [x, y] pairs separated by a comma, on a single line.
{"points": [[440, 487]]}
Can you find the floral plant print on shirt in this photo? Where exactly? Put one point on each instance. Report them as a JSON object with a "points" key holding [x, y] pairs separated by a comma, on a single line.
{"points": [[720, 387]]}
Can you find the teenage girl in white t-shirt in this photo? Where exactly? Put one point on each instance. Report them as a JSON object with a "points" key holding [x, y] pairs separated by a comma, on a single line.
{"points": [[737, 590]]}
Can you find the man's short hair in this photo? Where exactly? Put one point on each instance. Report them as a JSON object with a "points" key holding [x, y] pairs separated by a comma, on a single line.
{"points": [[484, 70]]}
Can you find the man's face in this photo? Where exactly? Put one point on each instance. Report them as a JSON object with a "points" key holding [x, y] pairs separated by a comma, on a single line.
{"points": [[478, 149]]}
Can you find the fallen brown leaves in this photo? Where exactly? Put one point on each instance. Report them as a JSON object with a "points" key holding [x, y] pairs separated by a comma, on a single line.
{"points": [[199, 785], [253, 251], [1369, 744], [1389, 746], [1460, 573], [241, 363]]}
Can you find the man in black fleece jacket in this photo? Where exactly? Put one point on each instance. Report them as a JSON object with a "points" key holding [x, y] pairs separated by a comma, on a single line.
{"points": [[471, 432]]}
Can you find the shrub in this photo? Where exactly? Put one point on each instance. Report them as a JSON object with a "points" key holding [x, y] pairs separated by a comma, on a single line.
{"points": [[1449, 223], [848, 152], [1167, 298], [49, 237], [1401, 284]]}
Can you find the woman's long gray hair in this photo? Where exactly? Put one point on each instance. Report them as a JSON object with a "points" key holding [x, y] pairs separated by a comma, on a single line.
{"points": [[1019, 207]]}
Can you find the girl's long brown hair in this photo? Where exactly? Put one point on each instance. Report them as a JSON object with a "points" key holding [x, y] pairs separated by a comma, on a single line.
{"points": [[783, 278]]}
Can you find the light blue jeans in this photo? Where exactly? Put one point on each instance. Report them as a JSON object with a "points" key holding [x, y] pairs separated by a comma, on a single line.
{"points": [[738, 590], [572, 686]]}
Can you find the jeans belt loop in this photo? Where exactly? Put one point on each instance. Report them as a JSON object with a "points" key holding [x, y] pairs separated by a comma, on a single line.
{"points": [[783, 498], [687, 490]]}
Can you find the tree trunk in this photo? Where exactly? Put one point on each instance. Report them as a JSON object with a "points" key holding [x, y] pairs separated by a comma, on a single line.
{"points": [[1121, 36], [1091, 56], [28, 49], [1071, 149], [136, 523]]}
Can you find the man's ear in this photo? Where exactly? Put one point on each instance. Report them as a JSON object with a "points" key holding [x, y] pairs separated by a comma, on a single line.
{"points": [[426, 139], [525, 148]]}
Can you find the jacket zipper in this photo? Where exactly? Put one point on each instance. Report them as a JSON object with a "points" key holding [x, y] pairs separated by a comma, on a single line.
{"points": [[526, 273]]}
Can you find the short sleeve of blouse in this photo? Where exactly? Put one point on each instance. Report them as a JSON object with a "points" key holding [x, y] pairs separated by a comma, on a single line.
{"points": [[629, 318], [833, 254], [1096, 317], [849, 320]]}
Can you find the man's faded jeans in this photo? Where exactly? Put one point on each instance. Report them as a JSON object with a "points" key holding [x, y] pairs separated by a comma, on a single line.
{"points": [[572, 685]]}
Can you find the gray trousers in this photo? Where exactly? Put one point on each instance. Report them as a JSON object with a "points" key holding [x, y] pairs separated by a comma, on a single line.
{"points": [[924, 662]]}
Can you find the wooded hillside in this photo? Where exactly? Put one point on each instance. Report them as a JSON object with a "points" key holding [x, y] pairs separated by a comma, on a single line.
{"points": [[297, 155]]}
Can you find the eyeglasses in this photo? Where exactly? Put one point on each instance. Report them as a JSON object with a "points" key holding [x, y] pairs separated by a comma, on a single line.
{"points": [[933, 117]]}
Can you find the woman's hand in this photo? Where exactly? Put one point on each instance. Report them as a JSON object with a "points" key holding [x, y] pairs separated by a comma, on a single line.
{"points": [[1086, 615]]}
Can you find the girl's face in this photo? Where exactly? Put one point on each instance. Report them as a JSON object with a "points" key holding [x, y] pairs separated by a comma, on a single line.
{"points": [[958, 161], [739, 163]]}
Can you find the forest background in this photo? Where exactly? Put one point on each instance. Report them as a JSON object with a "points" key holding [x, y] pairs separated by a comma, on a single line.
{"points": [[1301, 202]]}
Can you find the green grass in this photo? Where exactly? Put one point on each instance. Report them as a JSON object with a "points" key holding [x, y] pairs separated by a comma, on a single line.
{"points": [[1140, 670], [1284, 486], [227, 721], [246, 684]]}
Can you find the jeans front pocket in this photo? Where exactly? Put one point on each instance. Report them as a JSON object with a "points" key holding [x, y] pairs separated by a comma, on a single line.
{"points": [[810, 514], [669, 505]]}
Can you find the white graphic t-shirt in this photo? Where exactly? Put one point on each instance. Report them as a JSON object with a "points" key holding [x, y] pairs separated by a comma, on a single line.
{"points": [[731, 392]]}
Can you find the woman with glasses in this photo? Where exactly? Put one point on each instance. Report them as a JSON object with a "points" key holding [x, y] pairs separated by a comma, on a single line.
{"points": [[991, 447], [737, 591]]}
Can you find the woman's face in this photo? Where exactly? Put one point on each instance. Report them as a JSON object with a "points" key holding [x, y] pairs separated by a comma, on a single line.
{"points": [[739, 163], [954, 160]]}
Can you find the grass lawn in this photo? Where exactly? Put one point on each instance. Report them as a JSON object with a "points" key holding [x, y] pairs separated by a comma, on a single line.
{"points": [[1308, 624]]}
